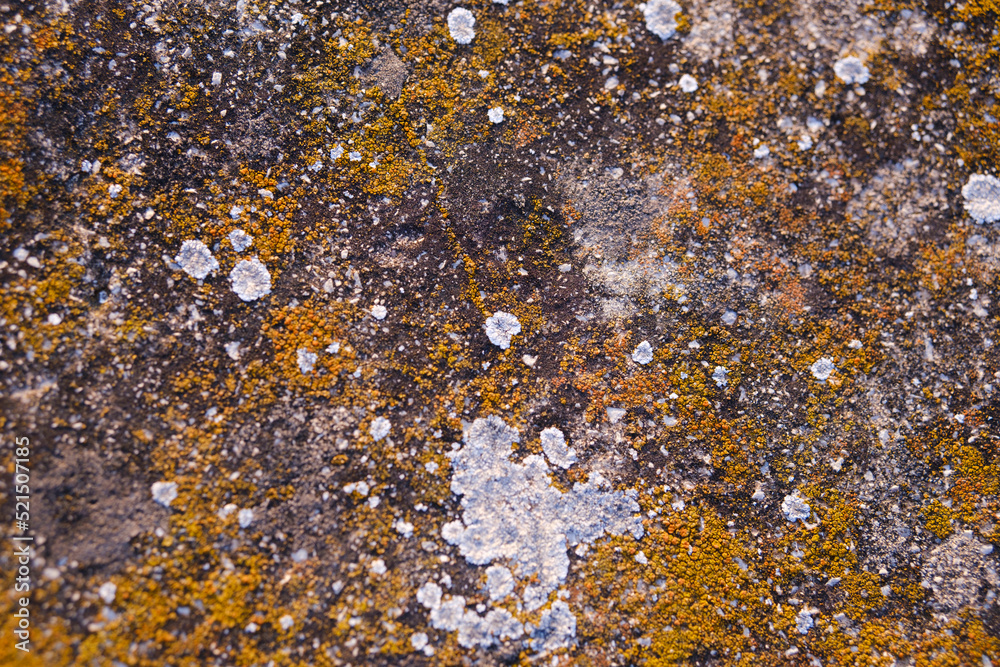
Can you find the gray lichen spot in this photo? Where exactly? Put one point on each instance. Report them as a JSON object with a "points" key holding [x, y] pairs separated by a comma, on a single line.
{"points": [[240, 240], [251, 279], [795, 508], [851, 70], [982, 197], [643, 353], [501, 327], [196, 259], [461, 24], [822, 368]]}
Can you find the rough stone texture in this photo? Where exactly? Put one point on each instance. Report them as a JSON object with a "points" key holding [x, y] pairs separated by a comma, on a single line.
{"points": [[772, 218]]}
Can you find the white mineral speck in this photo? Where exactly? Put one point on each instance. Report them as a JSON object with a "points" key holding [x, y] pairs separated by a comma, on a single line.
{"points": [[688, 83], [851, 70], [380, 428], [251, 279], [233, 350], [377, 566], [822, 368], [114, 190], [500, 327], [216, 78], [54, 319], [164, 492], [107, 592], [404, 528], [379, 312], [643, 353], [795, 508], [495, 114], [719, 375], [21, 254], [245, 518], [615, 415], [240, 240], [306, 359], [286, 621], [196, 259], [555, 448], [336, 152], [235, 212], [640, 557], [982, 197], [729, 318], [661, 18], [611, 83], [460, 25], [761, 152]]}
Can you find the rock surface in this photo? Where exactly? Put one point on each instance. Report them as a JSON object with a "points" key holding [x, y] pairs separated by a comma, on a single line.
{"points": [[720, 275]]}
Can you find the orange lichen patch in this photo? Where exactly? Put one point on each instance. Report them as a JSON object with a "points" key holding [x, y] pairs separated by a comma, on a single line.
{"points": [[313, 326], [50, 642], [28, 302], [976, 484], [937, 519], [692, 595]]}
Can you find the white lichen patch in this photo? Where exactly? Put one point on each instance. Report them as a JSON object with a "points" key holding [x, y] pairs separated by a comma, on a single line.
{"points": [[251, 280], [555, 448], [499, 582], [245, 518], [306, 359], [688, 83], [851, 70], [794, 507], [379, 428], [164, 493], [643, 353], [556, 628], [107, 592], [473, 630], [982, 197], [661, 17], [196, 260], [822, 368], [461, 25], [240, 240], [719, 375], [496, 115], [379, 311], [501, 327], [804, 620], [511, 510]]}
